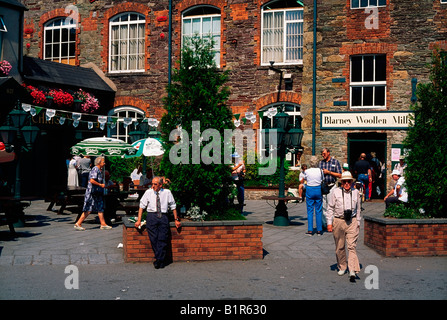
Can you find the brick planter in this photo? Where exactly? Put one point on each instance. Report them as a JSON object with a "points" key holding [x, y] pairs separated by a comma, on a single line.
{"points": [[209, 240], [406, 237]]}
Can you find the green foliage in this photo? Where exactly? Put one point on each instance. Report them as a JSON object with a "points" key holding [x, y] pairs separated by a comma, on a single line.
{"points": [[197, 93], [293, 178], [121, 167], [402, 211], [426, 173], [253, 178]]}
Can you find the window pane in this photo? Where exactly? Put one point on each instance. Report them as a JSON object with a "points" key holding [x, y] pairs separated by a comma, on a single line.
{"points": [[356, 99], [206, 26], [64, 49], [56, 35], [355, 4], [382, 2], [64, 35], [380, 68], [368, 68], [196, 25], [48, 51], [368, 96], [373, 3], [363, 3], [356, 69], [48, 36], [379, 96]]}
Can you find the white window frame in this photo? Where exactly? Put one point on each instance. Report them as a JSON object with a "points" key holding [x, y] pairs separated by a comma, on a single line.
{"points": [[367, 84], [121, 113], [370, 4], [67, 24], [140, 50], [444, 1], [265, 60], [215, 34]]}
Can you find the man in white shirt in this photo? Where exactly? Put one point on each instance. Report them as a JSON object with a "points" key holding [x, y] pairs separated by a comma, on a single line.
{"points": [[157, 201], [399, 193]]}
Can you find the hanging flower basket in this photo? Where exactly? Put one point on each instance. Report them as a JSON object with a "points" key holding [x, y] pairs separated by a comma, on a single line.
{"points": [[5, 68]]}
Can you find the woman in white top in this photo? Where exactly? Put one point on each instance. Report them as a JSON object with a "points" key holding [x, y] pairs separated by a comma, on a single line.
{"points": [[73, 179], [314, 198]]}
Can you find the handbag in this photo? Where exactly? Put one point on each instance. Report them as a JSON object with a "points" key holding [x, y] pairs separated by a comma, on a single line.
{"points": [[324, 187]]}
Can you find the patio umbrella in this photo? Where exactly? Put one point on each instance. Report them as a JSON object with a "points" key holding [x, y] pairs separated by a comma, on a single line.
{"points": [[103, 146], [148, 147]]}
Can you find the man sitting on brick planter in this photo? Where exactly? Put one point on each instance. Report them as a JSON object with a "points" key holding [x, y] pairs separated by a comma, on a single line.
{"points": [[399, 191], [158, 201]]}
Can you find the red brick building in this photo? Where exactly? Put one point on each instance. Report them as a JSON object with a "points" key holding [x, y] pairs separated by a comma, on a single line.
{"points": [[349, 66]]}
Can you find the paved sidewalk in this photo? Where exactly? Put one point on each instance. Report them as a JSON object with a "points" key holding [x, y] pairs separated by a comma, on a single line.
{"points": [[295, 266], [48, 238]]}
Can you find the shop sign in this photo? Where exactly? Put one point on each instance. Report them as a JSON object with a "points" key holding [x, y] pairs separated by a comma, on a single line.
{"points": [[368, 120]]}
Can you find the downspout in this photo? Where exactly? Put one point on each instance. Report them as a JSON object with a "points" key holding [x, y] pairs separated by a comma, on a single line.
{"points": [[170, 44], [314, 74]]}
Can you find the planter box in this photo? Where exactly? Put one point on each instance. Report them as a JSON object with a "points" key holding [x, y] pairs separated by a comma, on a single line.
{"points": [[198, 241], [256, 193], [406, 237]]}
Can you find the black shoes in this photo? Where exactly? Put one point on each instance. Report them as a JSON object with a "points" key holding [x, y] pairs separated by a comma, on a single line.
{"points": [[159, 264]]}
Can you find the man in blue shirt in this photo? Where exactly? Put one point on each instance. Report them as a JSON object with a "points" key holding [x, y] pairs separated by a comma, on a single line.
{"points": [[331, 172]]}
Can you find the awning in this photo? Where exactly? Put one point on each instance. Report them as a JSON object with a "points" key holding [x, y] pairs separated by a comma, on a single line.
{"points": [[59, 75]]}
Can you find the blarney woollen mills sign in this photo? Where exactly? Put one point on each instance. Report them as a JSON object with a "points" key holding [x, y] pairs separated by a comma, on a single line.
{"points": [[365, 120]]}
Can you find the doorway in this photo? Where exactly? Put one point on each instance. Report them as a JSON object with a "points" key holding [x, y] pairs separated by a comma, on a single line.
{"points": [[367, 143]]}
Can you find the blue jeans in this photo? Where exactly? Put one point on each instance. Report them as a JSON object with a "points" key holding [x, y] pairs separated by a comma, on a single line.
{"points": [[314, 201], [363, 178]]}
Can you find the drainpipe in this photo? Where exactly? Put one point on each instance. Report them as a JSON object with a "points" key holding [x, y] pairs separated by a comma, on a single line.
{"points": [[170, 43], [314, 74]]}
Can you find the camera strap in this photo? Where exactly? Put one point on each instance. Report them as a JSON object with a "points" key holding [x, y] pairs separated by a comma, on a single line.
{"points": [[343, 196]]}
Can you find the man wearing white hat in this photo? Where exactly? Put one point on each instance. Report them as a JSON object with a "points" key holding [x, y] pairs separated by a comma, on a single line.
{"points": [[343, 219], [399, 193]]}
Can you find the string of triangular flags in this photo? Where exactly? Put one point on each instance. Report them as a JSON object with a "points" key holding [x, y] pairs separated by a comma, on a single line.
{"points": [[271, 112], [63, 116]]}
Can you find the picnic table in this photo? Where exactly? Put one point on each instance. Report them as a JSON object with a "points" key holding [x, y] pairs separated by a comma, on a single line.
{"points": [[13, 209], [71, 195]]}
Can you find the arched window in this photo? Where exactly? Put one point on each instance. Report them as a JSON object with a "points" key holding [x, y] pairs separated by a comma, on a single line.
{"points": [[60, 41], [282, 32], [293, 110], [124, 114], [204, 22], [127, 42]]}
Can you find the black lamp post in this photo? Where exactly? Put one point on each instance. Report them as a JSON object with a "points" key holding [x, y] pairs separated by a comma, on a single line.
{"points": [[288, 139], [18, 137]]}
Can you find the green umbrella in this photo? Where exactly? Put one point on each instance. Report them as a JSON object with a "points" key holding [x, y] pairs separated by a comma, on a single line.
{"points": [[103, 146]]}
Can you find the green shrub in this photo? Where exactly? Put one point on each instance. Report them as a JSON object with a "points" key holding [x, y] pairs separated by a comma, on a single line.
{"points": [[426, 172], [402, 211]]}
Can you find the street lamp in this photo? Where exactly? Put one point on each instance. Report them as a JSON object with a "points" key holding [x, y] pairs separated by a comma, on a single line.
{"points": [[288, 139], [17, 137]]}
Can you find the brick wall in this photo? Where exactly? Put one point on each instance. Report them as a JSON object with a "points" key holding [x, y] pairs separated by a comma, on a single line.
{"points": [[404, 237], [196, 241]]}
